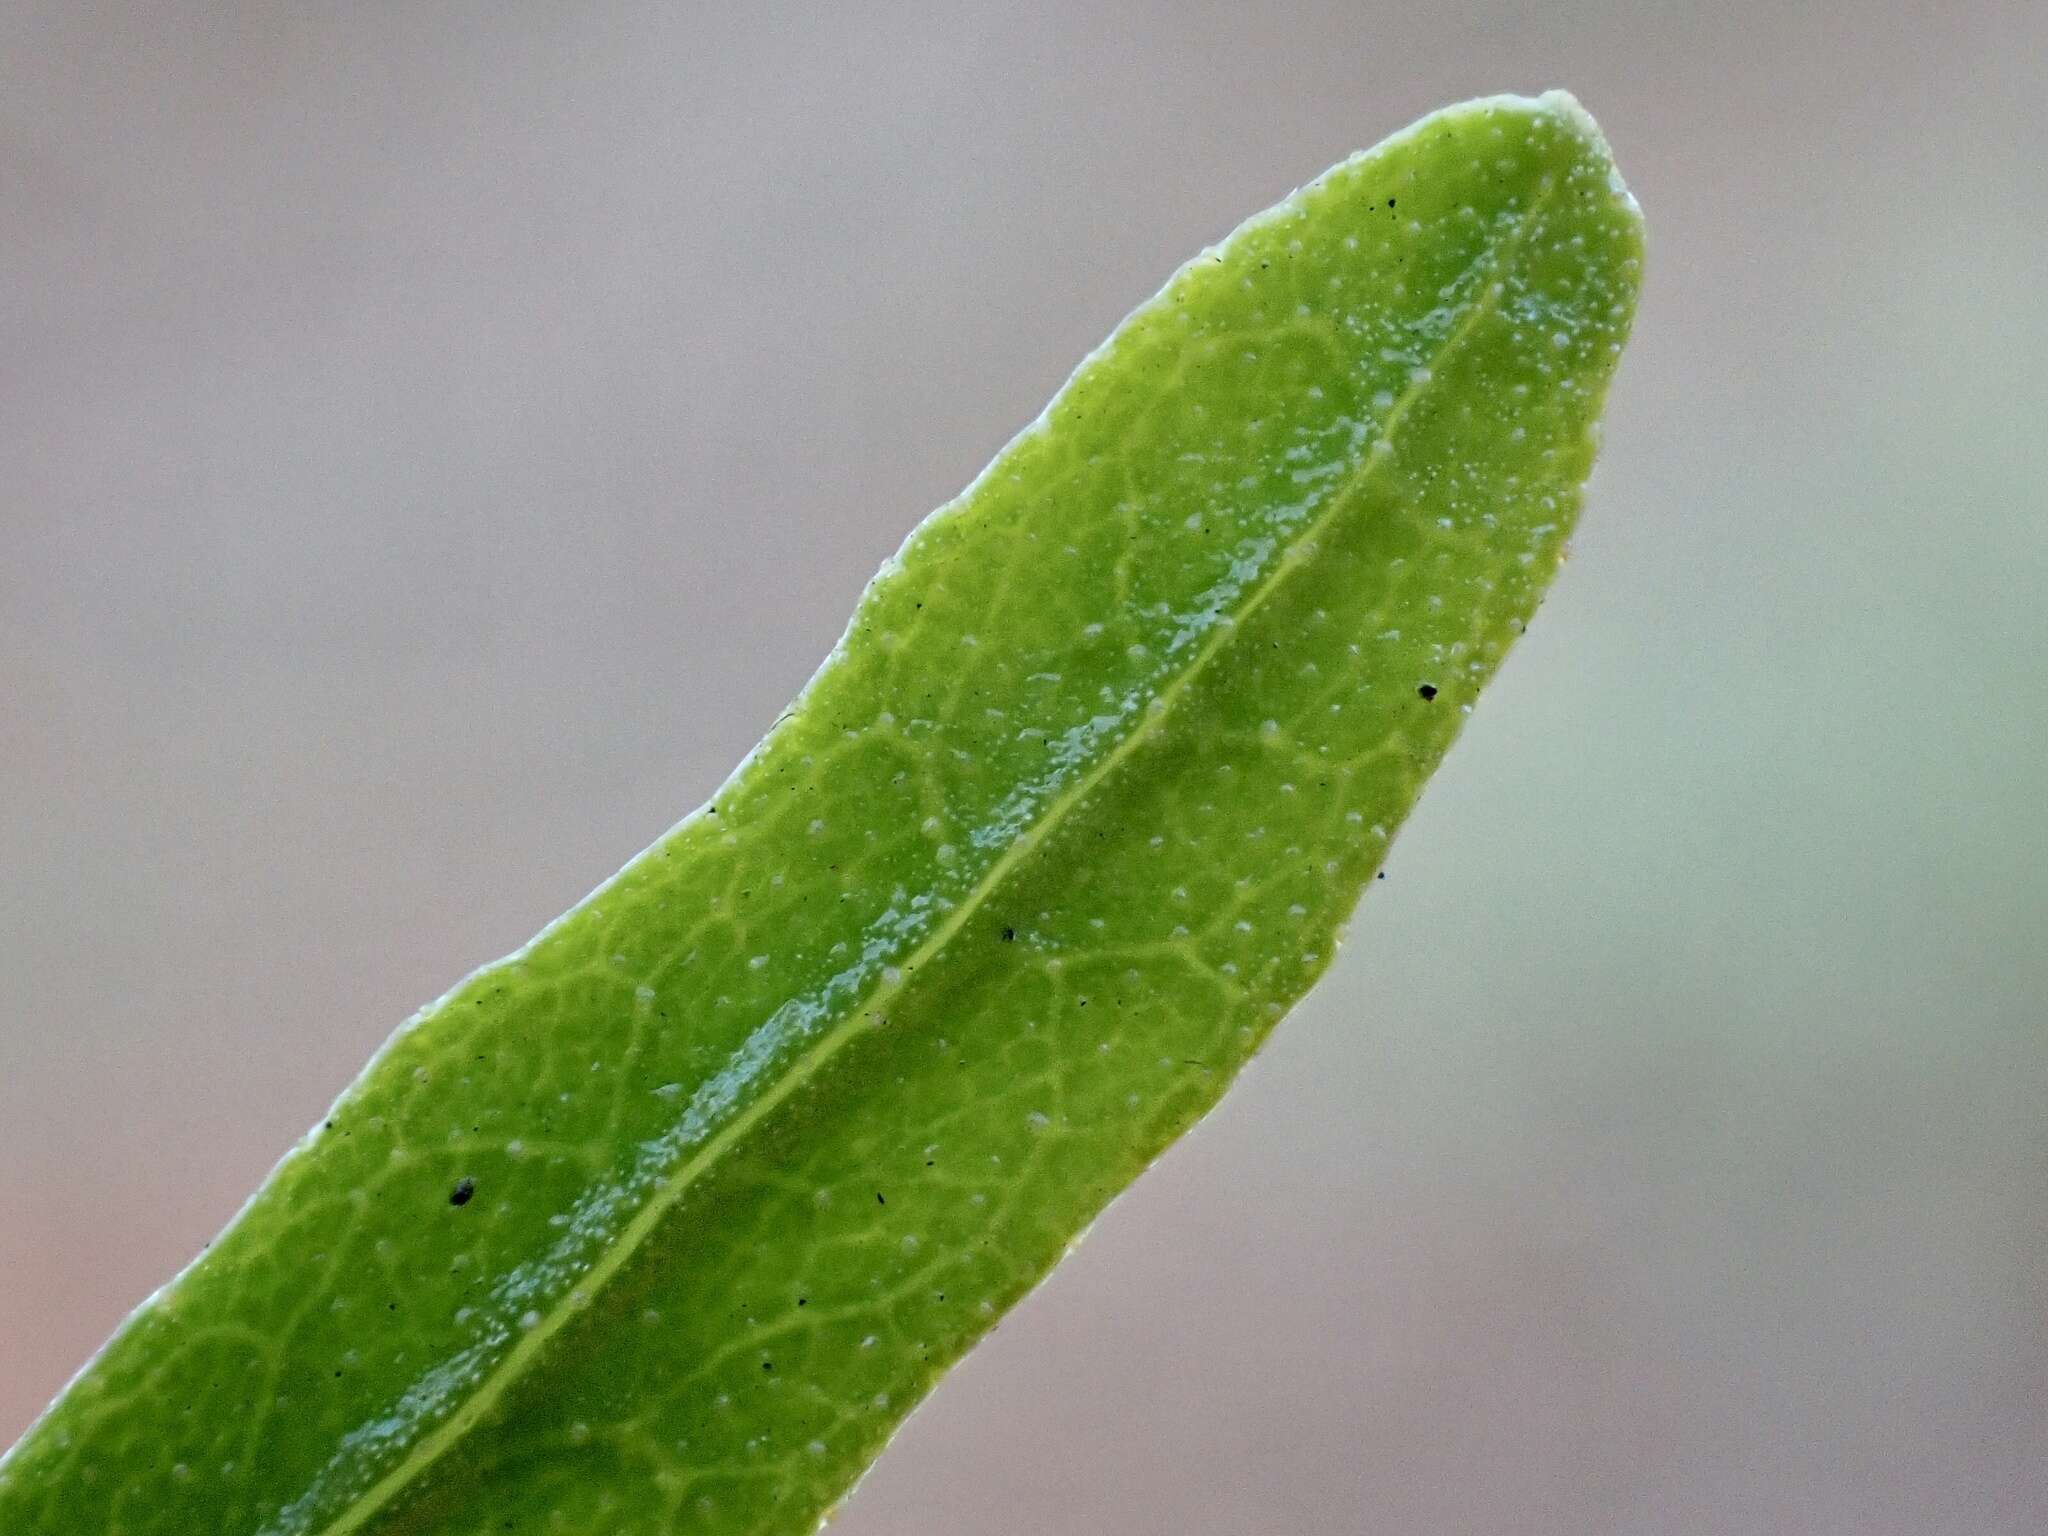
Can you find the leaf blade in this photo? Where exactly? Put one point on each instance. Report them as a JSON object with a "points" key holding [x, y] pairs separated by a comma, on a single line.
{"points": [[1205, 628]]}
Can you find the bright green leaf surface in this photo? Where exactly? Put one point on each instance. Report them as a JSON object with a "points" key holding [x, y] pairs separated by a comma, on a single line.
{"points": [[664, 1223]]}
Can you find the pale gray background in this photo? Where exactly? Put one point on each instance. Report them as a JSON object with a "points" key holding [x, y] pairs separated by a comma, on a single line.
{"points": [[436, 440]]}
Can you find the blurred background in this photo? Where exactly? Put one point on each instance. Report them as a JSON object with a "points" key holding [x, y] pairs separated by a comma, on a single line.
{"points": [[436, 440]]}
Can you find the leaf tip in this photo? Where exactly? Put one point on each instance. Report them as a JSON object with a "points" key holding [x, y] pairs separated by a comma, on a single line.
{"points": [[1569, 111]]}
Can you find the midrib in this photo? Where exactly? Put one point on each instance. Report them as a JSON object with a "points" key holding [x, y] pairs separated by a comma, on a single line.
{"points": [[531, 1341]]}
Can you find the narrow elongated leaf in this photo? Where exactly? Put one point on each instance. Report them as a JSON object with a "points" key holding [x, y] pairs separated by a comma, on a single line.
{"points": [[666, 1221]]}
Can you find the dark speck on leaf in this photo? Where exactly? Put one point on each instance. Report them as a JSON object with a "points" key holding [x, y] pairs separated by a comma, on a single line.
{"points": [[1427, 690], [1009, 935], [463, 1189], [878, 1198]]}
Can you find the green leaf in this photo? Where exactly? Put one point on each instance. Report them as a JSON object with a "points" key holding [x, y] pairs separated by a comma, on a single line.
{"points": [[666, 1221]]}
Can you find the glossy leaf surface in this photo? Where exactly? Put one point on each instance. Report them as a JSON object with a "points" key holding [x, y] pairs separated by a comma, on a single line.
{"points": [[665, 1222]]}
